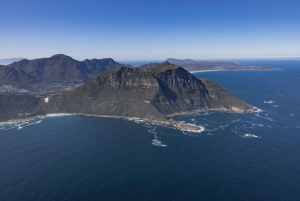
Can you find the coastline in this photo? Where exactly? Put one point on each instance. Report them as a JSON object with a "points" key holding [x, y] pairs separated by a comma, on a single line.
{"points": [[168, 122], [203, 71], [233, 110]]}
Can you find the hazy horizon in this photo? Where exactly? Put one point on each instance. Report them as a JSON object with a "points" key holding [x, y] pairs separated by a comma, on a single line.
{"points": [[225, 58]]}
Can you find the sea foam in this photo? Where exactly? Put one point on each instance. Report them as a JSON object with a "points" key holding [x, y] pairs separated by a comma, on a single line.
{"points": [[247, 135], [158, 143], [58, 114], [20, 124], [269, 102]]}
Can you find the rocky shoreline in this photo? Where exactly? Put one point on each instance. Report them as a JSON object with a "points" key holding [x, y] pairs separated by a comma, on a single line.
{"points": [[232, 110], [170, 123]]}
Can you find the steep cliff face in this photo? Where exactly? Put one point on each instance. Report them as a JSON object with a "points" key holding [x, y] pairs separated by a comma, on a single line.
{"points": [[125, 92], [222, 99], [152, 93], [179, 90]]}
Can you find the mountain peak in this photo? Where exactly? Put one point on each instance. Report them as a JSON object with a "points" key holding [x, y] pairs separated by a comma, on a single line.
{"points": [[60, 56], [110, 59]]}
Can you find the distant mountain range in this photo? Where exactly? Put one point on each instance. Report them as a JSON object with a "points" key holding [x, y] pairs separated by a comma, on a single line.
{"points": [[58, 68], [192, 65], [62, 69], [9, 61]]}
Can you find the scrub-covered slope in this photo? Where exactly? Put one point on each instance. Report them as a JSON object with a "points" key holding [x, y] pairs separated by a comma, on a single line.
{"points": [[152, 93]]}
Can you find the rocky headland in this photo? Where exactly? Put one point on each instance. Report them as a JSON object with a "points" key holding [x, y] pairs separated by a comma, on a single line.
{"points": [[153, 94]]}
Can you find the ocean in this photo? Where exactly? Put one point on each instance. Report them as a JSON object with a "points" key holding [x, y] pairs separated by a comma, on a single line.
{"points": [[252, 156]]}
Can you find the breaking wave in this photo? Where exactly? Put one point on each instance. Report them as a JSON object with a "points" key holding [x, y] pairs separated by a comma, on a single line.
{"points": [[269, 102], [270, 119], [247, 135], [20, 124], [158, 143], [28, 122]]}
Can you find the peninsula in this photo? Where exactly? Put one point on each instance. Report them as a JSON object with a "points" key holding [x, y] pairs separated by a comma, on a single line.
{"points": [[194, 66], [152, 94]]}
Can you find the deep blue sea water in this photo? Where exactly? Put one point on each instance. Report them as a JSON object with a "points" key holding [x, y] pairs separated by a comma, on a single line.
{"points": [[90, 158]]}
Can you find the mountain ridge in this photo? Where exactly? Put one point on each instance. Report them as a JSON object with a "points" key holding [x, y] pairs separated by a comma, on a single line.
{"points": [[57, 68]]}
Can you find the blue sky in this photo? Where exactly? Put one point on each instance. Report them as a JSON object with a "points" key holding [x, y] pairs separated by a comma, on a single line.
{"points": [[138, 30]]}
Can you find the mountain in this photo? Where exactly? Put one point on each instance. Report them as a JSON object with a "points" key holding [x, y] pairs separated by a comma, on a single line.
{"points": [[192, 65], [153, 93], [9, 61], [57, 68]]}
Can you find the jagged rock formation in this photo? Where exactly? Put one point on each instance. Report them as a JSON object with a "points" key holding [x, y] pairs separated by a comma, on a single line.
{"points": [[153, 93], [56, 68], [192, 65]]}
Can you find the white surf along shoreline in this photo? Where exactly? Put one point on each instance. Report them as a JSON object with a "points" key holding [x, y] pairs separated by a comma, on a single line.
{"points": [[192, 128]]}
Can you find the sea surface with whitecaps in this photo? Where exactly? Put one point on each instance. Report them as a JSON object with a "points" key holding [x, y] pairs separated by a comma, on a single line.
{"points": [[253, 156]]}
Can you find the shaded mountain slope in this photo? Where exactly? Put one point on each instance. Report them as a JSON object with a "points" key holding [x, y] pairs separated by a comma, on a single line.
{"points": [[16, 106]]}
